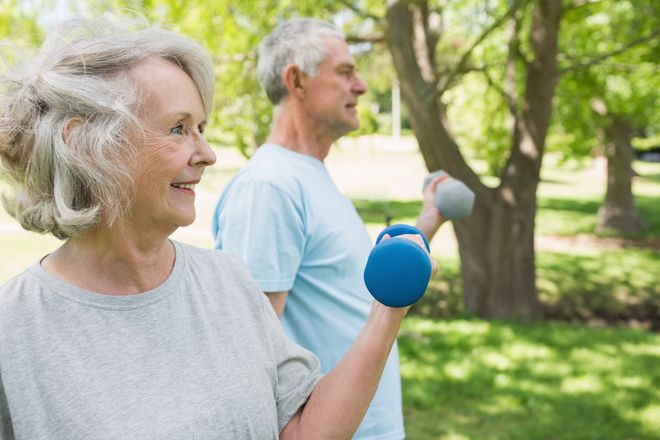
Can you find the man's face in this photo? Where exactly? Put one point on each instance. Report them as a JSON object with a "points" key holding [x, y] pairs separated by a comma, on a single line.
{"points": [[331, 96]]}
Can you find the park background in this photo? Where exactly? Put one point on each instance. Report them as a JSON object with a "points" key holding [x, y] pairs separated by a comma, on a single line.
{"points": [[556, 134]]}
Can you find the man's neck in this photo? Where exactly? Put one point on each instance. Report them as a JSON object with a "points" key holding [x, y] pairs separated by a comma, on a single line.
{"points": [[295, 132]]}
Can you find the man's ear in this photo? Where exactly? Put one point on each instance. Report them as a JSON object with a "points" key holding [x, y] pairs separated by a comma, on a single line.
{"points": [[293, 80]]}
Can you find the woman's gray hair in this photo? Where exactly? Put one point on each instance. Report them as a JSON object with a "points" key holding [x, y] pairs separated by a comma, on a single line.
{"points": [[66, 117], [299, 41]]}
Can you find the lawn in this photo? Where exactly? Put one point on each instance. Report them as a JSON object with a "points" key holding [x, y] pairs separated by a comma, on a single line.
{"points": [[465, 378], [470, 379]]}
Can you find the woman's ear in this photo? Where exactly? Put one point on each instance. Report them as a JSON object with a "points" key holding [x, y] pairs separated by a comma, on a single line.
{"points": [[70, 127], [292, 78]]}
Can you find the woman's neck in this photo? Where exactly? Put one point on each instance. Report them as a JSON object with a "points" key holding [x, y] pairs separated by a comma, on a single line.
{"points": [[113, 261]]}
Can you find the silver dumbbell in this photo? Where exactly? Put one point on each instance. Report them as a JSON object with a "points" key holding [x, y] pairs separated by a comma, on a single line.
{"points": [[453, 198]]}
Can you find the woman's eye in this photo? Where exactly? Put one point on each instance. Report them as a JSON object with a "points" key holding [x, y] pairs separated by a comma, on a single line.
{"points": [[177, 129]]}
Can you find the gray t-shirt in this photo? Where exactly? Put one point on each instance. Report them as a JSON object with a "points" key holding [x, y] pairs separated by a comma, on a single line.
{"points": [[202, 356]]}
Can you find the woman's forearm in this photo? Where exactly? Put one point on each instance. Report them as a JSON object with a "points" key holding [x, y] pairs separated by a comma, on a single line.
{"points": [[339, 402]]}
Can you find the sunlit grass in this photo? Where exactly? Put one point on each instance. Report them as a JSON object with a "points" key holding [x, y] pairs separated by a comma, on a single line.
{"points": [[569, 198], [496, 380], [21, 249]]}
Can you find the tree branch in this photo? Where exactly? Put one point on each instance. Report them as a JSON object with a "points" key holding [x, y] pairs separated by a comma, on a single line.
{"points": [[604, 56], [373, 39], [361, 12], [494, 85], [432, 34], [425, 54], [461, 64], [510, 73], [579, 4]]}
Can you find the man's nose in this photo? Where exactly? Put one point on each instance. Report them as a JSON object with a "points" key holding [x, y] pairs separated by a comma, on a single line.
{"points": [[359, 87]]}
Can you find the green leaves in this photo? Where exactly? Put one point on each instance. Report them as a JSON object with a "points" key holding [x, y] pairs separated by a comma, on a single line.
{"points": [[610, 58]]}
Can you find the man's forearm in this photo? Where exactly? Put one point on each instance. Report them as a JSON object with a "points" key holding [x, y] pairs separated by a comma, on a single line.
{"points": [[429, 221]]}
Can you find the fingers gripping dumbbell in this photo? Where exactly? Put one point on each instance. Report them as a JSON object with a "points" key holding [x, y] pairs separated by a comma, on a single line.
{"points": [[453, 198], [398, 270]]}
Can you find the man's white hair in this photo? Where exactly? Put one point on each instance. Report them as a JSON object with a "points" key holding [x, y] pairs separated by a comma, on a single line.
{"points": [[299, 41]]}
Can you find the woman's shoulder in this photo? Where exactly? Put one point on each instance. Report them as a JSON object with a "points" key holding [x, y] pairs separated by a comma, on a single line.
{"points": [[213, 260], [220, 272], [16, 291]]}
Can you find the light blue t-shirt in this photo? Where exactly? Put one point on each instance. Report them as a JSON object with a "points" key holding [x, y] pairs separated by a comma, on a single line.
{"points": [[284, 217]]}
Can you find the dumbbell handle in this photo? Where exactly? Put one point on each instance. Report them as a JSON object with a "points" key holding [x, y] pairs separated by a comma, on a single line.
{"points": [[400, 229]]}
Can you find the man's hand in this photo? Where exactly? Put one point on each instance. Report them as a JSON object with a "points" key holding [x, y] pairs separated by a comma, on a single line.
{"points": [[430, 219]]}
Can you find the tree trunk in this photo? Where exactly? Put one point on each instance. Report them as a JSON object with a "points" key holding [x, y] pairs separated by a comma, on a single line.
{"points": [[496, 246], [496, 243], [619, 212]]}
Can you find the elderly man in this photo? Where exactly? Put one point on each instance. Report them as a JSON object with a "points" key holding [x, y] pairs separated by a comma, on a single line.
{"points": [[302, 240]]}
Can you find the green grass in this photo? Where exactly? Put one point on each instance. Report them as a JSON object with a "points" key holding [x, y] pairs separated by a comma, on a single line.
{"points": [[614, 285], [21, 249], [376, 211], [469, 379]]}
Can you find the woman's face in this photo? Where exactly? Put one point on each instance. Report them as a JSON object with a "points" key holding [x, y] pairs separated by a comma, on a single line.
{"points": [[173, 153]]}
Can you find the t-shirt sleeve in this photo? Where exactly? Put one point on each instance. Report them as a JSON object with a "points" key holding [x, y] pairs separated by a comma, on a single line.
{"points": [[6, 430], [263, 225], [298, 370]]}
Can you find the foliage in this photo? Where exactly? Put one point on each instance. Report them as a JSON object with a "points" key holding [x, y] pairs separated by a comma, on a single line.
{"points": [[18, 21], [19, 31], [610, 69]]}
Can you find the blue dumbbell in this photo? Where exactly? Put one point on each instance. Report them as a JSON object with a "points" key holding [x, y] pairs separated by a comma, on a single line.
{"points": [[398, 270], [453, 198]]}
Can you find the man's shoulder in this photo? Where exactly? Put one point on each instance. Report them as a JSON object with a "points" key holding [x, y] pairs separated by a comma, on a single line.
{"points": [[268, 174], [268, 167]]}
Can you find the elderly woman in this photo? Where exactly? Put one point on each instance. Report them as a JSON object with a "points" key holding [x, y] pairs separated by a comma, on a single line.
{"points": [[121, 333]]}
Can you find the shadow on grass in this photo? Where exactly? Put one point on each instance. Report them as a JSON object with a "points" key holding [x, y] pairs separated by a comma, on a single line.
{"points": [[574, 205], [380, 211], [649, 207], [564, 216], [559, 216], [513, 381], [654, 177], [616, 287]]}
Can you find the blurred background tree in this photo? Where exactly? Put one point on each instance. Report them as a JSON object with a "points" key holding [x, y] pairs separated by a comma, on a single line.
{"points": [[610, 93], [481, 81]]}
